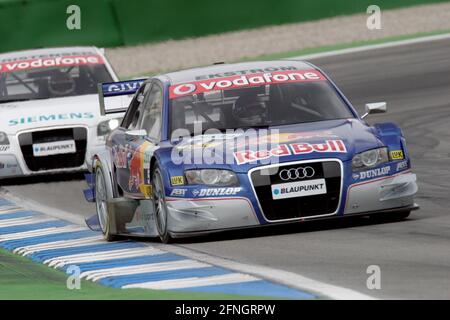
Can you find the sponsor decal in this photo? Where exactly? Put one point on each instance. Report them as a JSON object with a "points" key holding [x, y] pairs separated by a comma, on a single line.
{"points": [[177, 180], [4, 147], [283, 150], [8, 165], [243, 72], [216, 192], [121, 155], [146, 190], [52, 148], [397, 155], [51, 117], [299, 189], [50, 62], [402, 165], [178, 192], [138, 170], [121, 88], [370, 174], [234, 82]]}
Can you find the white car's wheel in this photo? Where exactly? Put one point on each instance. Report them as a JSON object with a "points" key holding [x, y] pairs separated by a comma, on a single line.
{"points": [[159, 206], [101, 197]]}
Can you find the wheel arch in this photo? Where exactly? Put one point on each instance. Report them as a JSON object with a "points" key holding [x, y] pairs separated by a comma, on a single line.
{"points": [[104, 161]]}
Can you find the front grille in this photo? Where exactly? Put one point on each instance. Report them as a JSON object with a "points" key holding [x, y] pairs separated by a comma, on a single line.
{"points": [[58, 161], [298, 207]]}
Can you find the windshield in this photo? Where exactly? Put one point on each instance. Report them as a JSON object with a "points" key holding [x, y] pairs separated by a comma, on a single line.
{"points": [[279, 103], [51, 77]]}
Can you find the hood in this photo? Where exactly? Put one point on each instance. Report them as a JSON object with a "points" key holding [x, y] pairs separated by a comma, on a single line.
{"points": [[23, 115], [326, 139]]}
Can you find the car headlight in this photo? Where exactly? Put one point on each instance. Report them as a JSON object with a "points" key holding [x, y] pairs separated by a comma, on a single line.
{"points": [[4, 138], [105, 127], [370, 158], [211, 177]]}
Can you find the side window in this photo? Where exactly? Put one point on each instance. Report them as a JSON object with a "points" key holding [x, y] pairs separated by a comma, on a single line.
{"points": [[151, 118], [132, 116]]}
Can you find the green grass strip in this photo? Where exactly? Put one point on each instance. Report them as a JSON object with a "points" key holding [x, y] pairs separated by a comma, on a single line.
{"points": [[23, 279]]}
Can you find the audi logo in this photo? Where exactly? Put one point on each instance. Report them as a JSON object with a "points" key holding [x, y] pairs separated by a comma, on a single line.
{"points": [[297, 173]]}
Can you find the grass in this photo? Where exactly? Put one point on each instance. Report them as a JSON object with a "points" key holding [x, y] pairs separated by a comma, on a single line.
{"points": [[22, 279]]}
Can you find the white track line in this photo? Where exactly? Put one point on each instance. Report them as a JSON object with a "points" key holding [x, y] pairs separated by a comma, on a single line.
{"points": [[193, 282], [59, 245], [60, 262], [96, 275], [40, 232], [385, 45], [286, 278], [9, 209], [25, 221]]}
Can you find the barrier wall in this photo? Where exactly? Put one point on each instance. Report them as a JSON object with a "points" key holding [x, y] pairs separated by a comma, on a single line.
{"points": [[41, 23]]}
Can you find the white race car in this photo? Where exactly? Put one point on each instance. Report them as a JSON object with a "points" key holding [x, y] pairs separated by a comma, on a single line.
{"points": [[50, 120]]}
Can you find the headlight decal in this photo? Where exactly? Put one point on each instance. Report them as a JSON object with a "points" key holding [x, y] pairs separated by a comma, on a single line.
{"points": [[370, 159], [211, 177]]}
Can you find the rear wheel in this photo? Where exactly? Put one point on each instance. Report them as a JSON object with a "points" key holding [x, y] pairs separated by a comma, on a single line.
{"points": [[159, 206], [101, 198]]}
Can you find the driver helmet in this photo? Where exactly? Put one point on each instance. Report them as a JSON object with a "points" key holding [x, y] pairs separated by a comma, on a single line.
{"points": [[61, 84], [250, 110]]}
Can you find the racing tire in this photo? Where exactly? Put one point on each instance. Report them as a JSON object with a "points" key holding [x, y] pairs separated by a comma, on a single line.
{"points": [[101, 197], [159, 206]]}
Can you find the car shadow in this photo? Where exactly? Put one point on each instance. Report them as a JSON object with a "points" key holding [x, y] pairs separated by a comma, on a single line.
{"points": [[56, 177], [293, 228]]}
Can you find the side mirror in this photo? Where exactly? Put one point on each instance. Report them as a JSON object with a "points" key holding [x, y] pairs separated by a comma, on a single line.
{"points": [[135, 134], [373, 108]]}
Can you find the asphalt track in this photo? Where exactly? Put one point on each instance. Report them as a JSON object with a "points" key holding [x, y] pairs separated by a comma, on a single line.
{"points": [[413, 255]]}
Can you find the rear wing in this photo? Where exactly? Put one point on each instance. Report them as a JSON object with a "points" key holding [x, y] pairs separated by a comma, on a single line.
{"points": [[115, 97]]}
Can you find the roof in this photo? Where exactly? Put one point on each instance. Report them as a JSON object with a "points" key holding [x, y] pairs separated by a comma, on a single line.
{"points": [[235, 69], [45, 52]]}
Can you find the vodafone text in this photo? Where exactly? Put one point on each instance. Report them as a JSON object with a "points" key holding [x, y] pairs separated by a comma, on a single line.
{"points": [[244, 81], [67, 61]]}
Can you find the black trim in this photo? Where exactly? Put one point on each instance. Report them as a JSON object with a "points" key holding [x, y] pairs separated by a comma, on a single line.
{"points": [[58, 161]]}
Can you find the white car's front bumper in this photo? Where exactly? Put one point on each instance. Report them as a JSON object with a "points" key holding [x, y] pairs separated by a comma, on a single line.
{"points": [[13, 162]]}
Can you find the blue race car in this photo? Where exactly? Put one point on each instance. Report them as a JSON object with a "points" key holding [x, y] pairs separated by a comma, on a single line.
{"points": [[242, 145]]}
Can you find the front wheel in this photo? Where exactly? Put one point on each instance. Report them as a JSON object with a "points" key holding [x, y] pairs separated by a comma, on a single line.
{"points": [[101, 197], [159, 206]]}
